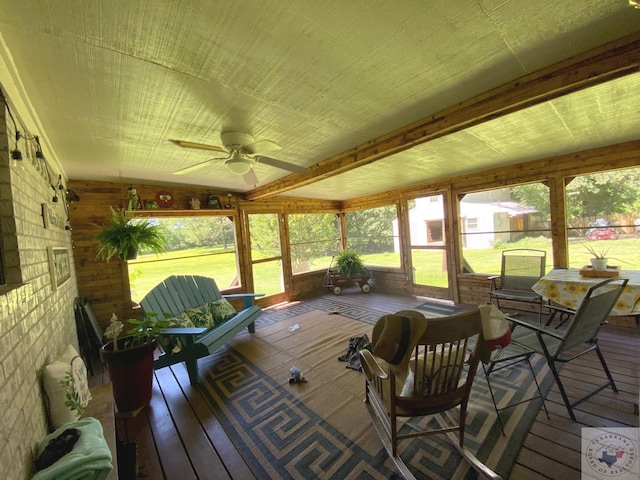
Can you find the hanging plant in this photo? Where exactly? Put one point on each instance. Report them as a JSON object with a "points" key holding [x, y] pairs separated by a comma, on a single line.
{"points": [[124, 235]]}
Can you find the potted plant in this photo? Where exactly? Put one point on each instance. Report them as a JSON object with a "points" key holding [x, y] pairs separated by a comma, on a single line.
{"points": [[130, 360], [348, 264], [124, 235], [599, 258]]}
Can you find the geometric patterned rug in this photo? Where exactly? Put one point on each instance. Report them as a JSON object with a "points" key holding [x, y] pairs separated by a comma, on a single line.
{"points": [[321, 428]]}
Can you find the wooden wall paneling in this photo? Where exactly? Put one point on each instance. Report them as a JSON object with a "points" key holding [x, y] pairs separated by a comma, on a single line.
{"points": [[558, 212], [452, 242], [404, 232], [621, 155], [106, 284]]}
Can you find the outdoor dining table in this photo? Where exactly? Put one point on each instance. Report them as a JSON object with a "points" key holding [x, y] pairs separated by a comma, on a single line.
{"points": [[566, 287]]}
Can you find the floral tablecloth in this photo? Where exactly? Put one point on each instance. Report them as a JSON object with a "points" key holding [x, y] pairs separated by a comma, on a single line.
{"points": [[567, 287]]}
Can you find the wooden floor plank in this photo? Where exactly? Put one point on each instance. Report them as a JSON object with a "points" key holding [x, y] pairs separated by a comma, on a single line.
{"points": [[179, 436], [202, 455], [220, 440], [173, 457]]}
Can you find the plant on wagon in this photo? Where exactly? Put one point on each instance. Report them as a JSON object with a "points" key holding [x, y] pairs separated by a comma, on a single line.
{"points": [[349, 264]]}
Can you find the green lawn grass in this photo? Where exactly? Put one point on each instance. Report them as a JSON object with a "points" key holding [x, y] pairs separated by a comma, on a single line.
{"points": [[219, 264]]}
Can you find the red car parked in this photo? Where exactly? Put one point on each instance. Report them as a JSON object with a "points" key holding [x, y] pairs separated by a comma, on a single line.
{"points": [[603, 234]]}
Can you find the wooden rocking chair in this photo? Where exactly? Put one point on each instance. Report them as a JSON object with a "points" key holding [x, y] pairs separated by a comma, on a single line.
{"points": [[440, 379]]}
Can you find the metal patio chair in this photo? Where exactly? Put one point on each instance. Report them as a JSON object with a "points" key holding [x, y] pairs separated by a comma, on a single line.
{"points": [[579, 338], [521, 268]]}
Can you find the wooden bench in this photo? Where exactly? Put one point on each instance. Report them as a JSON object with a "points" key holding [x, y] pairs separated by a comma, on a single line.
{"points": [[178, 293]]}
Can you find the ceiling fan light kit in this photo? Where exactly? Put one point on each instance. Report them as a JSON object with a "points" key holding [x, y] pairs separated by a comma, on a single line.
{"points": [[238, 164]]}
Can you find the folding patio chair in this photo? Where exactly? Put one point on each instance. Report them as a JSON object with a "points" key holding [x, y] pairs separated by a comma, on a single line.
{"points": [[521, 269], [504, 358], [444, 364], [579, 338]]}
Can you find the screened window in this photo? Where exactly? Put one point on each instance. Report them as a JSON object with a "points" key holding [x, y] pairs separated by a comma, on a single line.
{"points": [[504, 218], [603, 212], [197, 245], [266, 253], [371, 233], [314, 238]]}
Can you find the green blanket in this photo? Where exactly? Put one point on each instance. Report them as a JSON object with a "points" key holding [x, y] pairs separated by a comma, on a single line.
{"points": [[89, 459]]}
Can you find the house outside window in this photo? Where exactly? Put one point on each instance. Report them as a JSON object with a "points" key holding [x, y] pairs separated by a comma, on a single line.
{"points": [[504, 218]]}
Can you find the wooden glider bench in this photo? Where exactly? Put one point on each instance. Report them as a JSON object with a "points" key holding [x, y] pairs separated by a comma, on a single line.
{"points": [[178, 293]]}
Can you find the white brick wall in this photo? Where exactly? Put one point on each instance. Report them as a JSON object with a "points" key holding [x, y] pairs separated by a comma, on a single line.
{"points": [[36, 323]]}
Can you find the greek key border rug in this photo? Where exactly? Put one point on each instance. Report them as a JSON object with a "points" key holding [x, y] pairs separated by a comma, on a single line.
{"points": [[321, 428]]}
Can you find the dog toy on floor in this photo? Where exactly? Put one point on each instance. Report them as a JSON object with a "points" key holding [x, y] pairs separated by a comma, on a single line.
{"points": [[296, 376]]}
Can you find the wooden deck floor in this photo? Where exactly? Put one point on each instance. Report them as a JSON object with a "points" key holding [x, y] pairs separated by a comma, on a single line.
{"points": [[179, 437]]}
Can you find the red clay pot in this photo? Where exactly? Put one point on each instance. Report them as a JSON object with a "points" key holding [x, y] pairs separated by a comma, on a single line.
{"points": [[131, 374]]}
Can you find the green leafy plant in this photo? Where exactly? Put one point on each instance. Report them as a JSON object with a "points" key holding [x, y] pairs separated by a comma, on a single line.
{"points": [[144, 330], [596, 253], [124, 234], [349, 264]]}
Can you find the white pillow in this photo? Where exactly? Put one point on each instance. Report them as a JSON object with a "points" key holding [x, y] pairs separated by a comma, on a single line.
{"points": [[431, 377], [66, 387]]}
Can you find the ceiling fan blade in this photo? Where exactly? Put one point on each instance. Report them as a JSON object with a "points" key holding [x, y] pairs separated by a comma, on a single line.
{"points": [[197, 166], [280, 164], [198, 146], [263, 146]]}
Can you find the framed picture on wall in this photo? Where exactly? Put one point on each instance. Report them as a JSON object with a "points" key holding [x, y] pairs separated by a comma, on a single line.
{"points": [[59, 267]]}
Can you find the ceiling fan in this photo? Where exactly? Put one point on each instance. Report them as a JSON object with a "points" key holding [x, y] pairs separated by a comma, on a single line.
{"points": [[242, 153]]}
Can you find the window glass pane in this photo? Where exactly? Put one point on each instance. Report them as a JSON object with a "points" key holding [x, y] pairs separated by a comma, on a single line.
{"points": [[603, 212], [266, 254], [314, 239], [199, 245], [374, 234], [504, 218]]}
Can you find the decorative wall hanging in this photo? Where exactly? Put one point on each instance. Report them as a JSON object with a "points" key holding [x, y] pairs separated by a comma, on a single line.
{"points": [[164, 199], [59, 266], [213, 202], [52, 219]]}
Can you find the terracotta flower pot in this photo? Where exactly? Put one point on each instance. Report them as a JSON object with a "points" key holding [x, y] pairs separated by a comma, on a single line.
{"points": [[131, 374]]}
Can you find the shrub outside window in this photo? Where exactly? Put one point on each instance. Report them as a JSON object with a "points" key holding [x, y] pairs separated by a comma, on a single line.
{"points": [[197, 245], [371, 233], [314, 238], [603, 212]]}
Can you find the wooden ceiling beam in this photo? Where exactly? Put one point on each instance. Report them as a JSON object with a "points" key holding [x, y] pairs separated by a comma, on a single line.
{"points": [[600, 65]]}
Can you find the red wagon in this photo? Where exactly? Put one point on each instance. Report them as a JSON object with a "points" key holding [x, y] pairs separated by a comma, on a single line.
{"points": [[334, 281]]}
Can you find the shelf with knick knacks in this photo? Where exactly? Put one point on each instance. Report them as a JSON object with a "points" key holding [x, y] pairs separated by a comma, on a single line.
{"points": [[179, 201], [212, 202]]}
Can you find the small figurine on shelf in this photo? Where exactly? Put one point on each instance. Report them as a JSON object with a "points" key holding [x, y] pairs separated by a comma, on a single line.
{"points": [[213, 202], [134, 199], [228, 204], [195, 203]]}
